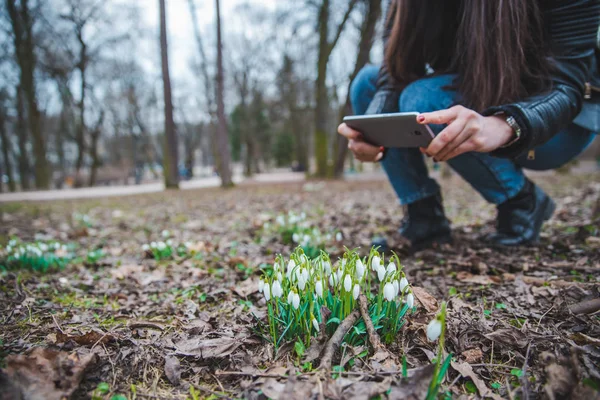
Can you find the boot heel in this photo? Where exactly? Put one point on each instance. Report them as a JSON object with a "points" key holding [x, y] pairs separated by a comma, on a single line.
{"points": [[549, 210]]}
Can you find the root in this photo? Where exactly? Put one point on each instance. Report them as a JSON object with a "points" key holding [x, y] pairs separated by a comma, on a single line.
{"points": [[364, 312]]}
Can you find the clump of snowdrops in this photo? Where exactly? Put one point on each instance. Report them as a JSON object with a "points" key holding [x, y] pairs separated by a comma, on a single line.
{"points": [[37, 256], [297, 290], [296, 229], [166, 249]]}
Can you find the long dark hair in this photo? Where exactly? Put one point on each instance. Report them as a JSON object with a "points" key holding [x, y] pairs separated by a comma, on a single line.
{"points": [[496, 47]]}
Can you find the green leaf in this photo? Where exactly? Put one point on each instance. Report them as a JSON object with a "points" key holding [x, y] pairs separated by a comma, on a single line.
{"points": [[299, 348], [452, 291], [470, 387], [594, 384], [103, 388], [496, 385], [516, 372], [487, 312], [118, 397], [333, 320], [501, 306]]}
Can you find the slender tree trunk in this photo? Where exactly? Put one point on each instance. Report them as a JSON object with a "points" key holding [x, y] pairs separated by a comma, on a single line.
{"points": [[22, 25], [321, 92], [222, 135], [367, 35], [81, 127], [94, 138], [24, 166], [6, 154], [170, 157]]}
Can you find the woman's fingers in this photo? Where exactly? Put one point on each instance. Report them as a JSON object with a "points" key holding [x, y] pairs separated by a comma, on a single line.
{"points": [[463, 136], [440, 117], [348, 132], [447, 137], [364, 151]]}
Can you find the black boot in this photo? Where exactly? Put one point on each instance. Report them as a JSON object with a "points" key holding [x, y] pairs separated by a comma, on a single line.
{"points": [[520, 218], [424, 225]]}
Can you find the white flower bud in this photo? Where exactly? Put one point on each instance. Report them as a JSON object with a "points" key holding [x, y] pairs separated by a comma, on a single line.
{"points": [[434, 330], [396, 287], [319, 288], [360, 269], [331, 280], [388, 291], [356, 291], [277, 290], [381, 273], [296, 301], [279, 277], [348, 283], [315, 324], [391, 268], [295, 238], [338, 236], [410, 300], [403, 284], [145, 247], [301, 282], [267, 292], [305, 274], [375, 263], [327, 267], [261, 285], [290, 297]]}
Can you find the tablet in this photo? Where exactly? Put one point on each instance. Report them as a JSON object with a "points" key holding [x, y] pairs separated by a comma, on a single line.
{"points": [[391, 130]]}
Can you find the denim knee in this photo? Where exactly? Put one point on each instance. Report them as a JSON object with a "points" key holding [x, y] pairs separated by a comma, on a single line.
{"points": [[362, 88], [427, 94]]}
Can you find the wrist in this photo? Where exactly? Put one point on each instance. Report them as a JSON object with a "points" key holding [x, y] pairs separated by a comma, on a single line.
{"points": [[510, 132]]}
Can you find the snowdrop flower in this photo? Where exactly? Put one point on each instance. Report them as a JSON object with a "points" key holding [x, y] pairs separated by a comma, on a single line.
{"points": [[63, 281], [319, 288], [338, 236], [290, 267], [153, 245], [279, 277], [391, 268], [327, 267], [396, 287], [165, 233], [301, 282], [348, 283], [403, 284], [356, 291], [261, 285], [161, 245], [375, 263], [276, 266], [169, 242], [145, 247], [43, 247], [331, 280], [290, 297], [295, 301], [267, 291], [305, 274], [410, 300], [434, 330], [360, 269], [303, 216], [277, 290], [315, 324], [295, 238], [388, 291], [280, 220], [13, 243], [338, 275], [381, 273]]}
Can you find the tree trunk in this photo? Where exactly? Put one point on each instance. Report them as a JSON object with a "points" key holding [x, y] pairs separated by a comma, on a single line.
{"points": [[367, 35], [224, 164], [6, 154], [81, 128], [322, 101], [94, 137], [22, 25], [24, 166], [170, 162]]}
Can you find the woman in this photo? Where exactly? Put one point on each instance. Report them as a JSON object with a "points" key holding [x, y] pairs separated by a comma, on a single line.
{"points": [[500, 83]]}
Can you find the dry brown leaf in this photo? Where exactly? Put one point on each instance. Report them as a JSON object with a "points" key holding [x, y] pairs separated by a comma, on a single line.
{"points": [[427, 300], [472, 356], [468, 277], [46, 374], [88, 339], [466, 371], [125, 271], [208, 348], [173, 370]]}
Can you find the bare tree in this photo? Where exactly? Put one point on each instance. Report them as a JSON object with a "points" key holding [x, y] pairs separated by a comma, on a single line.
{"points": [[170, 157], [22, 22], [224, 161], [367, 36], [326, 46], [23, 136], [6, 145]]}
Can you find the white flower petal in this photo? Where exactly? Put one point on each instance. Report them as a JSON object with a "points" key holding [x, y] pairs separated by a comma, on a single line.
{"points": [[360, 269], [434, 330], [388, 291], [375, 263], [410, 300], [348, 283], [381, 273], [267, 292], [391, 268], [319, 288], [315, 324], [403, 284], [356, 291], [296, 301], [261, 285]]}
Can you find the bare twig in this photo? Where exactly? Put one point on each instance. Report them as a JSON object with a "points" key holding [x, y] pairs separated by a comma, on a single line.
{"points": [[364, 312], [523, 378], [336, 339], [145, 324], [585, 307]]}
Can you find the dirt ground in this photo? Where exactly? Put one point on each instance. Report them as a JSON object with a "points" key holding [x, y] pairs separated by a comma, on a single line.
{"points": [[520, 322]]}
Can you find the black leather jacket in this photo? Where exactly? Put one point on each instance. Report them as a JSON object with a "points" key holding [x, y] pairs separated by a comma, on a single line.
{"points": [[573, 27]]}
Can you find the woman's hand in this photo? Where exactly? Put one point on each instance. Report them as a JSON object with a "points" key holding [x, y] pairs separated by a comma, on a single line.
{"points": [[466, 131], [362, 151]]}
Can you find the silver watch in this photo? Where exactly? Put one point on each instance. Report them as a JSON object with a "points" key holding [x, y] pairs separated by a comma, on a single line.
{"points": [[515, 128]]}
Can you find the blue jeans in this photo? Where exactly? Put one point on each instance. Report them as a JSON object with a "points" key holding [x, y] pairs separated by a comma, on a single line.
{"points": [[496, 179]]}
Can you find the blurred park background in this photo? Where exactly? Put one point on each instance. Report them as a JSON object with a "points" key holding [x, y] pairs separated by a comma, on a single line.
{"points": [[129, 92]]}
